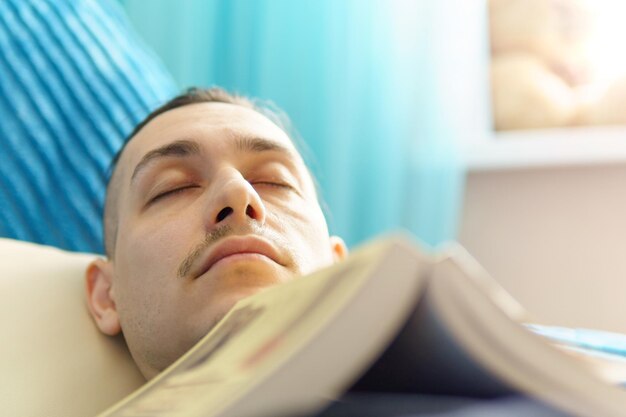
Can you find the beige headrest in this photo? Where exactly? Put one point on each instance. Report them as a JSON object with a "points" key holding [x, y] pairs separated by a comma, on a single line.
{"points": [[53, 360]]}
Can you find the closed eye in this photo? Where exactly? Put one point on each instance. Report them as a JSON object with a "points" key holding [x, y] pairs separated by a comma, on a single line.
{"points": [[275, 184], [171, 192]]}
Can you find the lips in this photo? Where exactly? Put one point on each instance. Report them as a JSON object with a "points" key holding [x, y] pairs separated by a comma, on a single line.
{"points": [[235, 246]]}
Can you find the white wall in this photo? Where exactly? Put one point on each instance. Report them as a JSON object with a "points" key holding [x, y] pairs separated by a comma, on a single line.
{"points": [[555, 238]]}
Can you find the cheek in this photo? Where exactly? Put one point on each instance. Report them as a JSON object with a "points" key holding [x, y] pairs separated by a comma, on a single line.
{"points": [[305, 231], [153, 250], [148, 290]]}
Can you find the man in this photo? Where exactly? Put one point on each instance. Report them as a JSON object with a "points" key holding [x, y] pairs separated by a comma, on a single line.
{"points": [[209, 202]]}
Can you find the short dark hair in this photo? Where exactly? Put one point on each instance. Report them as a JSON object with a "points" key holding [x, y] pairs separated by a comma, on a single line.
{"points": [[192, 95]]}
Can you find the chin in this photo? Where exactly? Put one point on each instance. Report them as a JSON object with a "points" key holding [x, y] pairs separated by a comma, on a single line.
{"points": [[249, 278], [245, 292], [226, 300], [231, 286]]}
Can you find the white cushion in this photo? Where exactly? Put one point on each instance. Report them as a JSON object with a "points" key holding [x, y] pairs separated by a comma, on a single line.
{"points": [[53, 360]]}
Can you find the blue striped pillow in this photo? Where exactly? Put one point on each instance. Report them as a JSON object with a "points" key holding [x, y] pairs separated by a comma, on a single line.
{"points": [[74, 80]]}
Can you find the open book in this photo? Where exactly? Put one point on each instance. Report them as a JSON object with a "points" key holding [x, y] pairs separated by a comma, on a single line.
{"points": [[390, 318]]}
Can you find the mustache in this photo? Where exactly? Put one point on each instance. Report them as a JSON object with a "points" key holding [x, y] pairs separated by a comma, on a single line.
{"points": [[222, 232]]}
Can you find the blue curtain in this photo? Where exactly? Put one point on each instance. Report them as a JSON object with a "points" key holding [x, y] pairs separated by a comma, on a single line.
{"points": [[358, 80]]}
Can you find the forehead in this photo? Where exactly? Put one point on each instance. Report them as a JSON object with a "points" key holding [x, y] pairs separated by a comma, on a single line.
{"points": [[215, 123]]}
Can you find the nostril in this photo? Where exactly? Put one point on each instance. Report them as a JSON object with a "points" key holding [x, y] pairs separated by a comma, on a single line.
{"points": [[250, 212], [225, 212]]}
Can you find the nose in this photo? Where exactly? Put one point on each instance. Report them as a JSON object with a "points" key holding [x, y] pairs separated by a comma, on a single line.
{"points": [[235, 201]]}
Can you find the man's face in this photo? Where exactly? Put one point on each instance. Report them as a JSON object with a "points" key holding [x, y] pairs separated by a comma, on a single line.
{"points": [[215, 204]]}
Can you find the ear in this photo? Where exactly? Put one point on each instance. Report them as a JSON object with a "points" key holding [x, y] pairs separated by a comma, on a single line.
{"points": [[339, 248], [99, 286]]}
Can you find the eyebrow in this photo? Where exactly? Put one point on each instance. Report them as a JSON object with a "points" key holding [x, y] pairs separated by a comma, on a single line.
{"points": [[256, 144], [185, 148], [180, 148]]}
